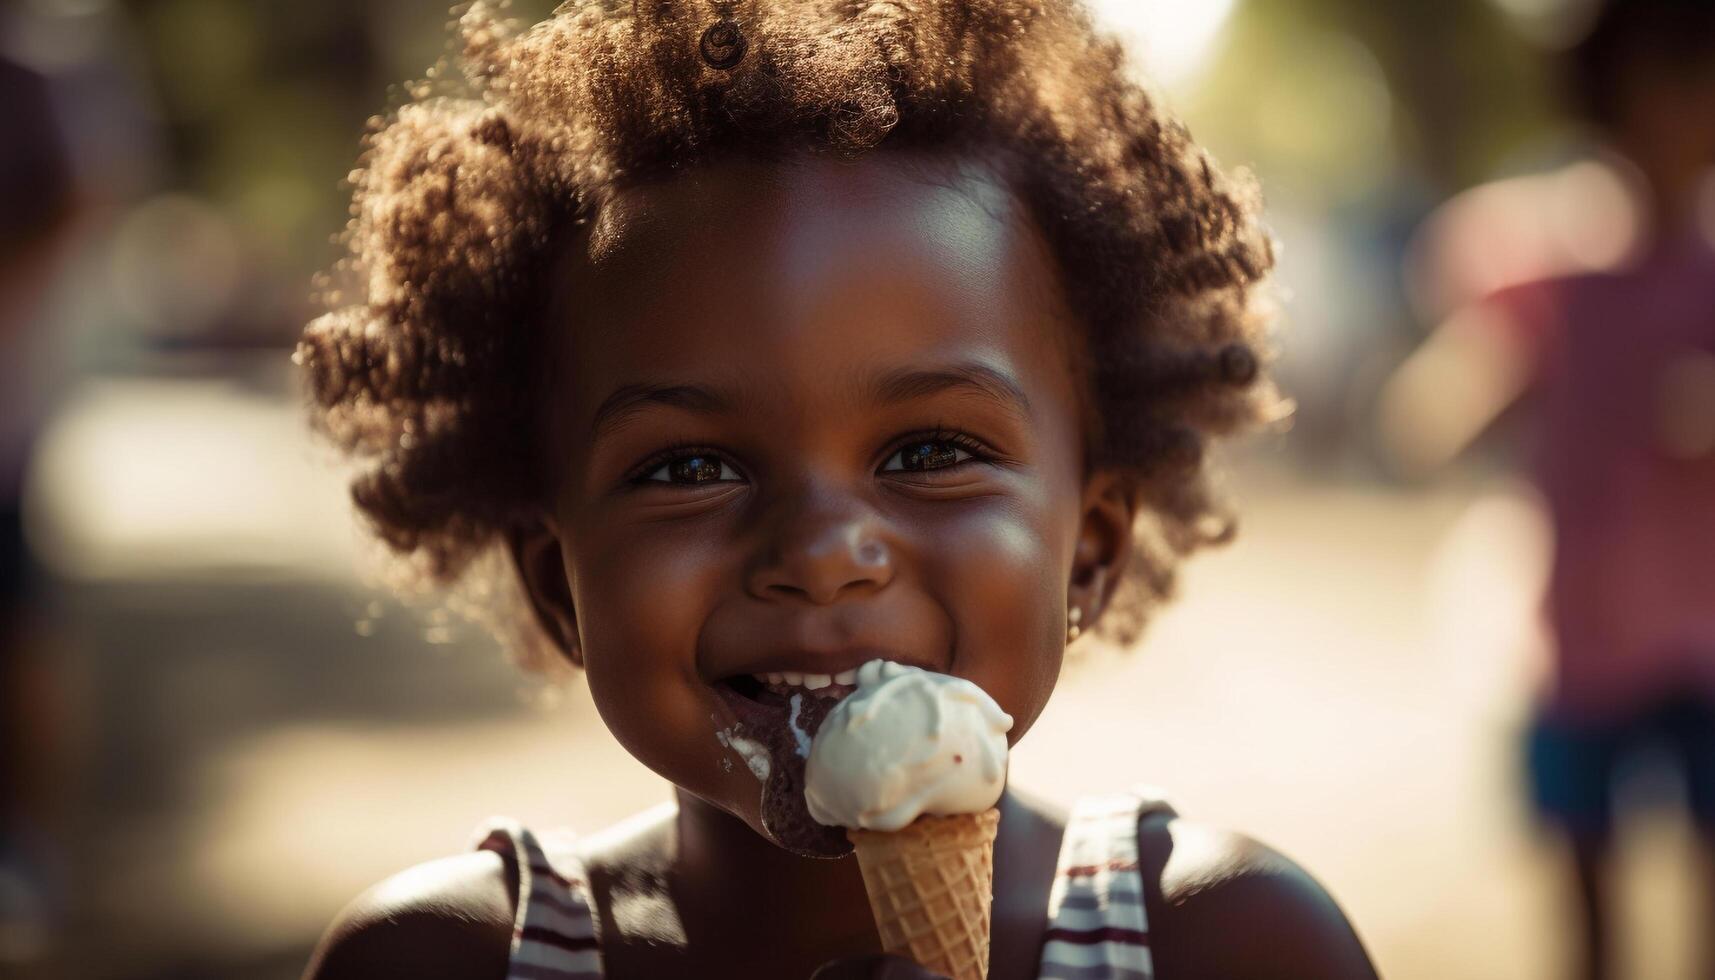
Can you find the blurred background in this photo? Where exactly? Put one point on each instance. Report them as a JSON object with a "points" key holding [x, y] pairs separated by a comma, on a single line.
{"points": [[219, 728]]}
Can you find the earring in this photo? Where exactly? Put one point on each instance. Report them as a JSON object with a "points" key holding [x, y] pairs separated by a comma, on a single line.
{"points": [[1074, 616]]}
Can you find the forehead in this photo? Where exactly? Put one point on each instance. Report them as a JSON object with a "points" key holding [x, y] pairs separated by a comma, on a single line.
{"points": [[801, 275]]}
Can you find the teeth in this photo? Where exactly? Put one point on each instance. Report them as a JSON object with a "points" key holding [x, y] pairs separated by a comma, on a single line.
{"points": [[808, 681]]}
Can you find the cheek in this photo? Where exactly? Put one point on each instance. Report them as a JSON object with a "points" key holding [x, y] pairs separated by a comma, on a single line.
{"points": [[1004, 571], [640, 606], [639, 599]]}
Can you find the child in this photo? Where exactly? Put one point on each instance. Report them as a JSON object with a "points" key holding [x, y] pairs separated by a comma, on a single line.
{"points": [[766, 339], [1616, 367], [41, 209]]}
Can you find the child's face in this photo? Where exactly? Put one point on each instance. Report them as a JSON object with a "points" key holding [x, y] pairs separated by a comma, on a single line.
{"points": [[812, 414]]}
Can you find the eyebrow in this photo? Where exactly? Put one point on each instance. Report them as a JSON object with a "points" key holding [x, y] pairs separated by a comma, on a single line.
{"points": [[627, 401], [969, 377]]}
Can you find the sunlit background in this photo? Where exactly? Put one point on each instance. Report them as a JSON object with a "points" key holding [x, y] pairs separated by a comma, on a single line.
{"points": [[240, 730]]}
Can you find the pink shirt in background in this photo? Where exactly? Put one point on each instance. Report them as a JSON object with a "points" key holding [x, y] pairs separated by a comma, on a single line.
{"points": [[1631, 596]]}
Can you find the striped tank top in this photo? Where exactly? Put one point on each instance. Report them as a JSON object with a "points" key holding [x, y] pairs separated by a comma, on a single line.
{"points": [[1096, 929]]}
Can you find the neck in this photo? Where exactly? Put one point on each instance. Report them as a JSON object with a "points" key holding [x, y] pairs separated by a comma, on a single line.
{"points": [[795, 898]]}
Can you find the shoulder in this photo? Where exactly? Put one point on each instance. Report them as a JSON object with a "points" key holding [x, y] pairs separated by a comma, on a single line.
{"points": [[1223, 905], [448, 919]]}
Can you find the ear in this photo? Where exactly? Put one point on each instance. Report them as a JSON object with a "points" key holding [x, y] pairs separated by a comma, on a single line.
{"points": [[1103, 549], [540, 563]]}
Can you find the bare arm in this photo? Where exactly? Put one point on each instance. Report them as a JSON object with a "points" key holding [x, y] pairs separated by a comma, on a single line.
{"points": [[444, 920], [1221, 905], [1451, 389]]}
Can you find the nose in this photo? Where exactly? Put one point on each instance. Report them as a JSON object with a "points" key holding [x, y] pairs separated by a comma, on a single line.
{"points": [[822, 552]]}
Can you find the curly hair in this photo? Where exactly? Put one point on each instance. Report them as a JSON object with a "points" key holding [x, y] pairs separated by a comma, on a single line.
{"points": [[422, 365]]}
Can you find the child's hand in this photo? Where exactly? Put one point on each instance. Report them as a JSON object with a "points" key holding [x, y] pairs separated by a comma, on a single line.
{"points": [[873, 968]]}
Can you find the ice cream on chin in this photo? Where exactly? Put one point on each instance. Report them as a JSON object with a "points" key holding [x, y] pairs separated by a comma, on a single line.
{"points": [[907, 742]]}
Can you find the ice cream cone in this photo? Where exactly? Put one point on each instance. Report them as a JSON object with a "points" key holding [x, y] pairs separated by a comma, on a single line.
{"points": [[930, 886]]}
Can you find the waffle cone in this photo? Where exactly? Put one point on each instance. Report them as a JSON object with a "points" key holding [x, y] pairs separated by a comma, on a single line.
{"points": [[930, 886]]}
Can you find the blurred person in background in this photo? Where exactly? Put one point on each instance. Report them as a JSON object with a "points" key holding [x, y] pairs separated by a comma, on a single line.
{"points": [[1609, 343], [38, 201]]}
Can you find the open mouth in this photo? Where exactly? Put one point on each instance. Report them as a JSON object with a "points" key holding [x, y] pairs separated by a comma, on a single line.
{"points": [[783, 716], [775, 689]]}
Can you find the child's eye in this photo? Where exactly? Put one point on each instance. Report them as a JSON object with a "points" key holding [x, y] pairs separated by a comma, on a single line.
{"points": [[691, 469], [935, 453]]}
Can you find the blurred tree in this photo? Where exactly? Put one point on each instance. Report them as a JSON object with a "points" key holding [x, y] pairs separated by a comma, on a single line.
{"points": [[262, 106], [1474, 90], [1334, 99]]}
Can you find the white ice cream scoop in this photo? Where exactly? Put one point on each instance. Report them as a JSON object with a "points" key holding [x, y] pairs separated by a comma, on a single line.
{"points": [[907, 742]]}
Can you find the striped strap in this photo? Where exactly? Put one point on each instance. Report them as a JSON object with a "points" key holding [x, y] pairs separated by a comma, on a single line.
{"points": [[1097, 929], [554, 936]]}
